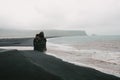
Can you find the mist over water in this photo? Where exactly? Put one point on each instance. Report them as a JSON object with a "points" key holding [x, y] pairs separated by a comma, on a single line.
{"points": [[48, 33]]}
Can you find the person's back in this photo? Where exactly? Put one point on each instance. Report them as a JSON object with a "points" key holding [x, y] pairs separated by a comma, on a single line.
{"points": [[40, 42], [36, 42]]}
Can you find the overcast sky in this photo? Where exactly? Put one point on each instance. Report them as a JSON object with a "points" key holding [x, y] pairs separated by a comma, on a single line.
{"points": [[93, 16]]}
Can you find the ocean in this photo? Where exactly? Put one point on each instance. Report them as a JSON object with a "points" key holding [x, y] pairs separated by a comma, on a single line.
{"points": [[82, 39], [99, 52]]}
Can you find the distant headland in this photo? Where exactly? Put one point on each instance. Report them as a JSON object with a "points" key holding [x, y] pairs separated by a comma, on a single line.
{"points": [[6, 33]]}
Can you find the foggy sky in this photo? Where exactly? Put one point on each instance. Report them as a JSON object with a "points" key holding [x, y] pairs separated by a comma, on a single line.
{"points": [[93, 16]]}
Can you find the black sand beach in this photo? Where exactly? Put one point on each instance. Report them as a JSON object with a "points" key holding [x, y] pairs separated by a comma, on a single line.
{"points": [[34, 65], [16, 42], [15, 66]]}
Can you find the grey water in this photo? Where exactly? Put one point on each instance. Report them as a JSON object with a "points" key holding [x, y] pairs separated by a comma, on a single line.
{"points": [[83, 39]]}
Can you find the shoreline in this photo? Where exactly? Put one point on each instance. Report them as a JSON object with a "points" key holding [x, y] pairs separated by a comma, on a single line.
{"points": [[111, 68], [67, 54], [52, 68]]}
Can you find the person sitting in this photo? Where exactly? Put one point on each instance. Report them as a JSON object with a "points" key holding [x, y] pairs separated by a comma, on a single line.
{"points": [[35, 42], [40, 42]]}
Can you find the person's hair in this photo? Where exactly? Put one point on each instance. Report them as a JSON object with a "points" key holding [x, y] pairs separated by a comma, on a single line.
{"points": [[36, 35], [41, 34]]}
